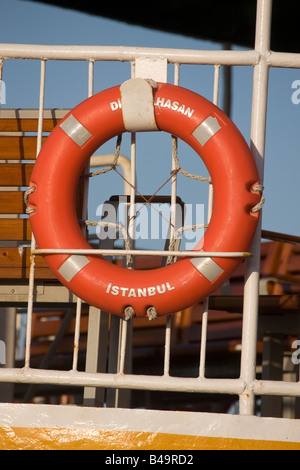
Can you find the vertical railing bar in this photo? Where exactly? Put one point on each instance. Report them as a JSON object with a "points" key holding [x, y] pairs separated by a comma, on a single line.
{"points": [[123, 346], [168, 333], [174, 167], [252, 267], [209, 212], [87, 167], [206, 302], [84, 229], [176, 74], [91, 78], [33, 243], [131, 232], [203, 339], [169, 320], [29, 306], [131, 227], [216, 84], [77, 333], [41, 107]]}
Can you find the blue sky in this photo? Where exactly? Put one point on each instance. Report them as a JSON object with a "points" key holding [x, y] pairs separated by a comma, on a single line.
{"points": [[66, 85]]}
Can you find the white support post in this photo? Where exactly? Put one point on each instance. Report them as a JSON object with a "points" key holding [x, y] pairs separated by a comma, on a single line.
{"points": [[252, 268]]}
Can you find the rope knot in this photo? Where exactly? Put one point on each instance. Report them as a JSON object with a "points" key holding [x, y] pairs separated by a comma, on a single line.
{"points": [[259, 205], [174, 172], [30, 190]]}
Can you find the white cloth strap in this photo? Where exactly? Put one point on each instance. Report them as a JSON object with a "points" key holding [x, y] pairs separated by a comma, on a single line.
{"points": [[138, 105]]}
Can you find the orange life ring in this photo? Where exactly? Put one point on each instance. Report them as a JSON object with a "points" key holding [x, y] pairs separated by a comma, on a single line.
{"points": [[55, 177]]}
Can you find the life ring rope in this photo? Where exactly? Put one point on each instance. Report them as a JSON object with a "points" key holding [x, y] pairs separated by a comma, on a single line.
{"points": [[138, 105]]}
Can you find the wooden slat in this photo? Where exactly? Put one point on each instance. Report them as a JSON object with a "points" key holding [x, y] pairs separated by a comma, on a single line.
{"points": [[26, 125], [15, 257], [15, 229], [26, 120], [12, 202], [22, 273], [15, 174], [23, 148], [15, 264]]}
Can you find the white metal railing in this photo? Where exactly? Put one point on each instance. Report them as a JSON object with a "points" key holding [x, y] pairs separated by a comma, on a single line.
{"points": [[261, 59]]}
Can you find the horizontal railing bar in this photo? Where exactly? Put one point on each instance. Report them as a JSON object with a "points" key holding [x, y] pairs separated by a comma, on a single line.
{"points": [[283, 59], [147, 382], [125, 53], [280, 237], [119, 252], [276, 388], [137, 382]]}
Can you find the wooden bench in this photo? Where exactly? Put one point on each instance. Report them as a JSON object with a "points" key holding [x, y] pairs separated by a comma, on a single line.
{"points": [[18, 147]]}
